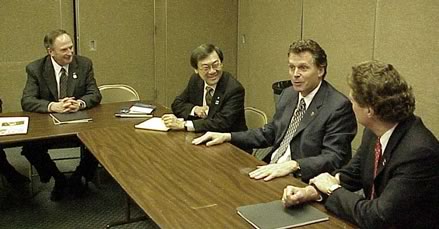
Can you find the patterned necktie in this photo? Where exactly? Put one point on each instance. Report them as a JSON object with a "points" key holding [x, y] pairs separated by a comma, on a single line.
{"points": [[63, 84], [209, 95], [294, 123], [378, 154]]}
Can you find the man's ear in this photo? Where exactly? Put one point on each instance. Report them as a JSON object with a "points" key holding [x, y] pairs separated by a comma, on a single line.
{"points": [[196, 71], [49, 51], [370, 112], [321, 71]]}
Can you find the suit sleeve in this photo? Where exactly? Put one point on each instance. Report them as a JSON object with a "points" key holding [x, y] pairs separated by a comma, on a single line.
{"points": [[182, 107], [91, 95], [31, 100], [339, 129], [224, 119]]}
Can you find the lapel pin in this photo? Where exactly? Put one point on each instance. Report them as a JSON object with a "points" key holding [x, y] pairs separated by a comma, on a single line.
{"points": [[216, 102], [74, 75], [384, 162], [312, 113]]}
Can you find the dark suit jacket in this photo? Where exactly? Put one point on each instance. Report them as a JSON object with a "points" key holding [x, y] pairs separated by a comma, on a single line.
{"points": [[407, 182], [226, 112], [41, 86], [322, 142]]}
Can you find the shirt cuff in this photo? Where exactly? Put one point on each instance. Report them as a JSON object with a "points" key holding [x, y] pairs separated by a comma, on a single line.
{"points": [[82, 104], [48, 107], [189, 126]]}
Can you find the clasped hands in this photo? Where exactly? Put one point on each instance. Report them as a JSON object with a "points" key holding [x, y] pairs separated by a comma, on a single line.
{"points": [[65, 105], [294, 195]]}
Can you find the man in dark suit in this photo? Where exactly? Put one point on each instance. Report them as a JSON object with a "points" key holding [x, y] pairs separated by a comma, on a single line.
{"points": [[213, 100], [15, 178], [59, 82], [396, 164], [312, 128]]}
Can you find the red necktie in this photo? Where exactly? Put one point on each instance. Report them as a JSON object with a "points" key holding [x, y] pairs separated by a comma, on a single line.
{"points": [[378, 153]]}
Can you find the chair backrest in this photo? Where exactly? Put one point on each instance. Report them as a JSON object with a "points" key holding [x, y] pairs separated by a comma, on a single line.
{"points": [[112, 93], [255, 118]]}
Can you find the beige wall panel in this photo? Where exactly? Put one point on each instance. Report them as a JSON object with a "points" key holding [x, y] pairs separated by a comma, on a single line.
{"points": [[123, 32], [266, 29], [23, 25], [345, 29], [189, 24], [407, 36]]}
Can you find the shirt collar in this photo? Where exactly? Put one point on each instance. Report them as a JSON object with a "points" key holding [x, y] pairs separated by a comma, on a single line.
{"points": [[384, 139], [58, 67], [211, 86], [308, 98]]}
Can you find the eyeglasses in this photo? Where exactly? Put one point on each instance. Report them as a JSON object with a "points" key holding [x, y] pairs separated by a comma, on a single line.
{"points": [[215, 66]]}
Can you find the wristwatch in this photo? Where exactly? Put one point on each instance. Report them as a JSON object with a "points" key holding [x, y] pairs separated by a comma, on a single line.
{"points": [[332, 188]]}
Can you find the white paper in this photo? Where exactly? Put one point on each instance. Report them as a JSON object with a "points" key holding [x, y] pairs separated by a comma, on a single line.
{"points": [[13, 125]]}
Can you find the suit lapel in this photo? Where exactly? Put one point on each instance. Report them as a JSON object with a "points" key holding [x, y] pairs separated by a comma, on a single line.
{"points": [[218, 95], [49, 77], [396, 137], [72, 78], [313, 108]]}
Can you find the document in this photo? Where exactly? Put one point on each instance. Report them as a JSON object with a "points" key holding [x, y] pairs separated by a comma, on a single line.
{"points": [[13, 125], [275, 215], [138, 110], [154, 123], [75, 117]]}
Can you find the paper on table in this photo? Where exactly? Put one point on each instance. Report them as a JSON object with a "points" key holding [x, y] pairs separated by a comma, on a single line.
{"points": [[154, 123], [13, 125]]}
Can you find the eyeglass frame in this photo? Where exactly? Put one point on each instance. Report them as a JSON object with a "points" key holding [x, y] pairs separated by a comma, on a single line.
{"points": [[216, 65]]}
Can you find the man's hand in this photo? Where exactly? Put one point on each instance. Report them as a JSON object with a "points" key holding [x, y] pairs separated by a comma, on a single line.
{"points": [[171, 121], [201, 111], [271, 171], [212, 138], [324, 181], [295, 195], [67, 104]]}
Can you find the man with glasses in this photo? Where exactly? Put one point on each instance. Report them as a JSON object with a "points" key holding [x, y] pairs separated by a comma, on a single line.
{"points": [[212, 101], [312, 129]]}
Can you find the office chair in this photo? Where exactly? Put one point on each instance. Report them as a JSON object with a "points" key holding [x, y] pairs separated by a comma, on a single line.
{"points": [[112, 93], [256, 118]]}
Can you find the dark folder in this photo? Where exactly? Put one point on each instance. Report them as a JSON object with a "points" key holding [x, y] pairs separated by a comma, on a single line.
{"points": [[275, 215], [75, 117]]}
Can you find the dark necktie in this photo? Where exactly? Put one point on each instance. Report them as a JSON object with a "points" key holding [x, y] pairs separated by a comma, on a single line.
{"points": [[209, 95], [294, 123], [63, 84], [378, 153]]}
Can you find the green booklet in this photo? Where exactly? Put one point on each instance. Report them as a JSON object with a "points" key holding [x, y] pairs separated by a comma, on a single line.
{"points": [[275, 215]]}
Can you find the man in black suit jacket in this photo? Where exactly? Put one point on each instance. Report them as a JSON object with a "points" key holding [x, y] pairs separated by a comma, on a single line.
{"points": [[321, 141], [45, 92], [396, 164], [213, 100]]}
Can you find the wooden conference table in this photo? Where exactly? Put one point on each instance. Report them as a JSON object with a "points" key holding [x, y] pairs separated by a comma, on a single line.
{"points": [[177, 184]]}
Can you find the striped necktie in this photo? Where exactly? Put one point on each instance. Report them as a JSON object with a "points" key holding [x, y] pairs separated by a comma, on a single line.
{"points": [[209, 95], [63, 84], [294, 124]]}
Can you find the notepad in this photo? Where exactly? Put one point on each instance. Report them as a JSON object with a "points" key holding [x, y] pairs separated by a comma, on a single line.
{"points": [[13, 125], [74, 117], [273, 215], [154, 123]]}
